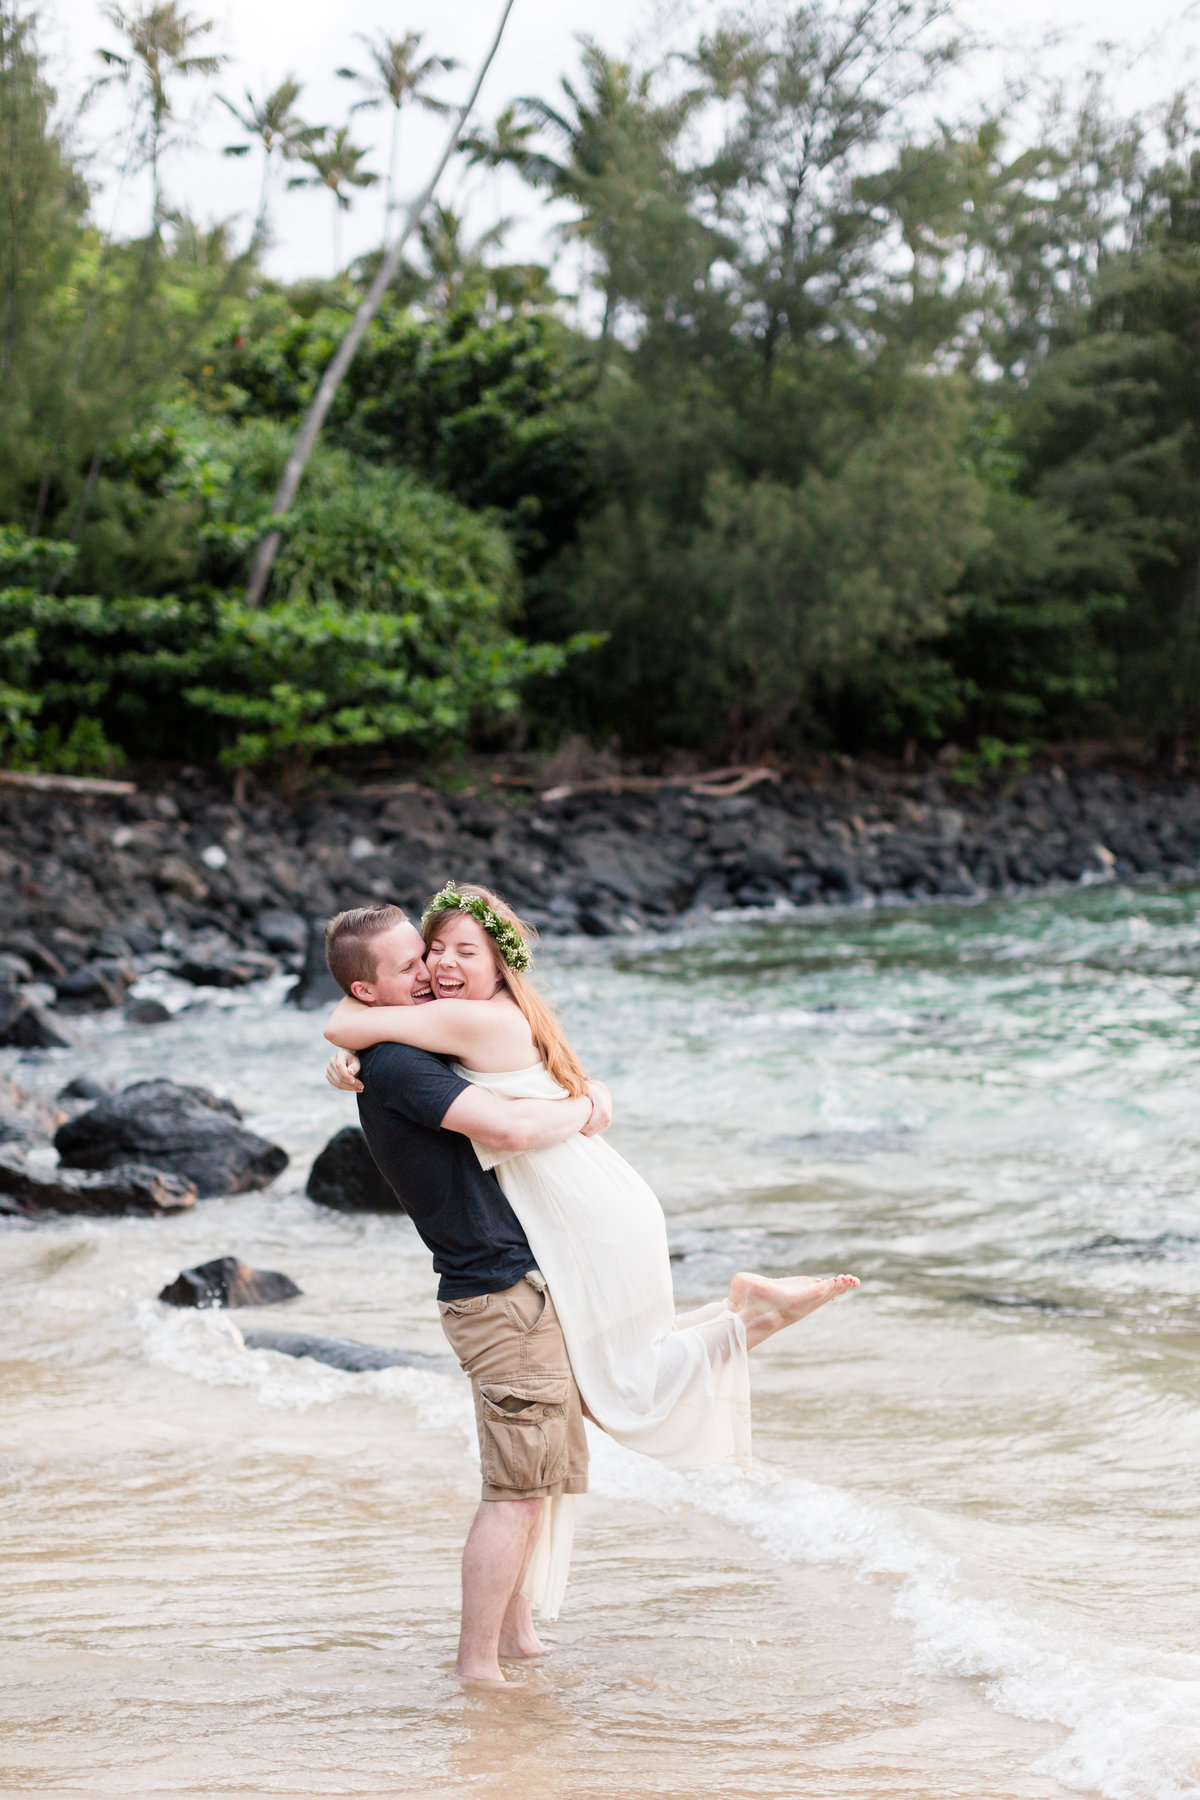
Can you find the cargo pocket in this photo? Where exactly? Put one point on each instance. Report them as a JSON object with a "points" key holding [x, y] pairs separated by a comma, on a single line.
{"points": [[525, 1432]]}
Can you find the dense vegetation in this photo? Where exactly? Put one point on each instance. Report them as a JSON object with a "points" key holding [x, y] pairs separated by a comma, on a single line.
{"points": [[880, 436]]}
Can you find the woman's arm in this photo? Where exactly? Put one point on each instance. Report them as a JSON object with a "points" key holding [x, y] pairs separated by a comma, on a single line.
{"points": [[451, 1027]]}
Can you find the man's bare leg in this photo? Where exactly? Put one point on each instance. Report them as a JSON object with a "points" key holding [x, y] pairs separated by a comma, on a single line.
{"points": [[767, 1306], [495, 1557], [517, 1635]]}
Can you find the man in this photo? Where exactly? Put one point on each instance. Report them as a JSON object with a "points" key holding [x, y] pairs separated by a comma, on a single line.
{"points": [[419, 1117]]}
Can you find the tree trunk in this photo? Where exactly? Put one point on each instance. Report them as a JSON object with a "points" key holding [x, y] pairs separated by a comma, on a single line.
{"points": [[322, 400]]}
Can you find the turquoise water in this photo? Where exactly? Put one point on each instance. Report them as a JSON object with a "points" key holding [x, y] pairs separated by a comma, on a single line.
{"points": [[967, 1561]]}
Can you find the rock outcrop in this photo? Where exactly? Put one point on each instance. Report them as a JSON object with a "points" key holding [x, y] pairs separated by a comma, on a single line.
{"points": [[344, 1176], [344, 1353], [28, 1024], [93, 887], [126, 1188], [227, 1281], [316, 986], [185, 1130]]}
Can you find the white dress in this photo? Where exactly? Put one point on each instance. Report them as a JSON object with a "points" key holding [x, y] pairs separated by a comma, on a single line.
{"points": [[674, 1386]]}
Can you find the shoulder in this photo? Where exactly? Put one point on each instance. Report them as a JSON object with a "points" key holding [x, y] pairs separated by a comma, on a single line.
{"points": [[401, 1082]]}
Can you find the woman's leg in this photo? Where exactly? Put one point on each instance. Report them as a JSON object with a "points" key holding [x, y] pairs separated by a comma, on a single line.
{"points": [[700, 1315]]}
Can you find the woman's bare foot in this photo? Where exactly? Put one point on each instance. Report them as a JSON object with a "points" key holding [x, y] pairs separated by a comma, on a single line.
{"points": [[766, 1306]]}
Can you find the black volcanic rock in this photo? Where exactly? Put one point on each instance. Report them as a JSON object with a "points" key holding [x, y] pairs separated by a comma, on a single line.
{"points": [[28, 1025], [344, 1176], [146, 1011], [227, 1281], [226, 969], [95, 986], [285, 933], [85, 1087], [344, 1353], [185, 1130], [128, 1188], [316, 986]]}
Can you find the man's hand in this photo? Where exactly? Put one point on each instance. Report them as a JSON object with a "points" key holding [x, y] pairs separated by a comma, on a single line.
{"points": [[602, 1108], [341, 1071]]}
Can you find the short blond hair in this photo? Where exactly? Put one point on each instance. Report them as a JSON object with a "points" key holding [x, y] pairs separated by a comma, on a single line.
{"points": [[350, 942]]}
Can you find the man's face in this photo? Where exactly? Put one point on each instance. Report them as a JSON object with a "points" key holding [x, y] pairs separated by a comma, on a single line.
{"points": [[401, 978]]}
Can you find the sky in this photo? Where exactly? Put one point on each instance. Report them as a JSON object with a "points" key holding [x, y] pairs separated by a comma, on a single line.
{"points": [[1146, 50]]}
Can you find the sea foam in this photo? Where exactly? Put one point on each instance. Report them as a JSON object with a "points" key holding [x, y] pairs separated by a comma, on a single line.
{"points": [[1132, 1715]]}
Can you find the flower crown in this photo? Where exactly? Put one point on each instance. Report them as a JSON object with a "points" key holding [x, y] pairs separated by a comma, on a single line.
{"points": [[503, 932]]}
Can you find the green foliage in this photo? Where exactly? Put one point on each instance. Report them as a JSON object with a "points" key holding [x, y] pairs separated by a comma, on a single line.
{"points": [[391, 626], [878, 435], [992, 756], [488, 410], [732, 623]]}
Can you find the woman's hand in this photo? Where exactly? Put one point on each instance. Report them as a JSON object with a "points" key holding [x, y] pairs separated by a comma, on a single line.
{"points": [[602, 1109], [341, 1071]]}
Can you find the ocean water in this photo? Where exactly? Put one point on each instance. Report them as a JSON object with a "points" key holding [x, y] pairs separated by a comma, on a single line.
{"points": [[966, 1561]]}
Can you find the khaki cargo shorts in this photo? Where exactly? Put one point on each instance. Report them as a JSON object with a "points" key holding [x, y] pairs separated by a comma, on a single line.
{"points": [[527, 1406]]}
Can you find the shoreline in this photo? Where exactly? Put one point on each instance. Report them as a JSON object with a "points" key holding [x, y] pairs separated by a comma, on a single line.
{"points": [[98, 890]]}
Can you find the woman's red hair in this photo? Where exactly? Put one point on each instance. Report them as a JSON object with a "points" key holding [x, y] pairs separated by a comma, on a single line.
{"points": [[549, 1038]]}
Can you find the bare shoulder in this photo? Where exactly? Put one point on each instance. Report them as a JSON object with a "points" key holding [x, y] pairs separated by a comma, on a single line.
{"points": [[495, 1026]]}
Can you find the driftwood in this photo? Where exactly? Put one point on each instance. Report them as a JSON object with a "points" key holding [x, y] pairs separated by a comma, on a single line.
{"points": [[65, 784], [719, 784]]}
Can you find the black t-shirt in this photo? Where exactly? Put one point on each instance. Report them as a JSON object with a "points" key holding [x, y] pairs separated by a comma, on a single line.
{"points": [[458, 1208]]}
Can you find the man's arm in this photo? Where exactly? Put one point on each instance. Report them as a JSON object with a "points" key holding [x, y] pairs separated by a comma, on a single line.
{"points": [[499, 1122], [344, 1068]]}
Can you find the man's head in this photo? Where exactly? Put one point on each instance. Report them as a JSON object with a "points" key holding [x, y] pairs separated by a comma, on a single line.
{"points": [[377, 955]]}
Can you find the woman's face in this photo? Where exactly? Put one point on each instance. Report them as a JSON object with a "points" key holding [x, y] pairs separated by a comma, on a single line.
{"points": [[460, 961]]}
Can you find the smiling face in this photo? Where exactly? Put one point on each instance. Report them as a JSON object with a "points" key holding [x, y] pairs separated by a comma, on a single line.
{"points": [[460, 960], [401, 977]]}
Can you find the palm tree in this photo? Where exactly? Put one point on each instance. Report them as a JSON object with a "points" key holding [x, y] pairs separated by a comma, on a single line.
{"points": [[279, 129], [395, 79], [162, 41], [508, 142], [343, 356], [614, 164], [507, 145], [456, 262], [335, 164]]}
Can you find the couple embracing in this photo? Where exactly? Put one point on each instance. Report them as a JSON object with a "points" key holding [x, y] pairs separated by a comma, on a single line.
{"points": [[555, 1279]]}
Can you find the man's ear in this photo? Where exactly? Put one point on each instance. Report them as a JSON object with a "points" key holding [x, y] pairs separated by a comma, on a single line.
{"points": [[362, 990]]}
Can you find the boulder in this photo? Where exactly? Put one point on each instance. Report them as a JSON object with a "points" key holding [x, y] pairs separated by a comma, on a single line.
{"points": [[145, 1011], [96, 986], [316, 986], [344, 1176], [28, 1025], [185, 1130], [344, 1353], [113, 946], [84, 1089], [175, 876], [237, 968], [32, 949], [127, 1188], [14, 969], [141, 941], [284, 933], [227, 1281]]}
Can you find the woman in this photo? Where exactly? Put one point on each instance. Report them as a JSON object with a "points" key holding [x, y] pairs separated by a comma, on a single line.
{"points": [[674, 1387]]}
